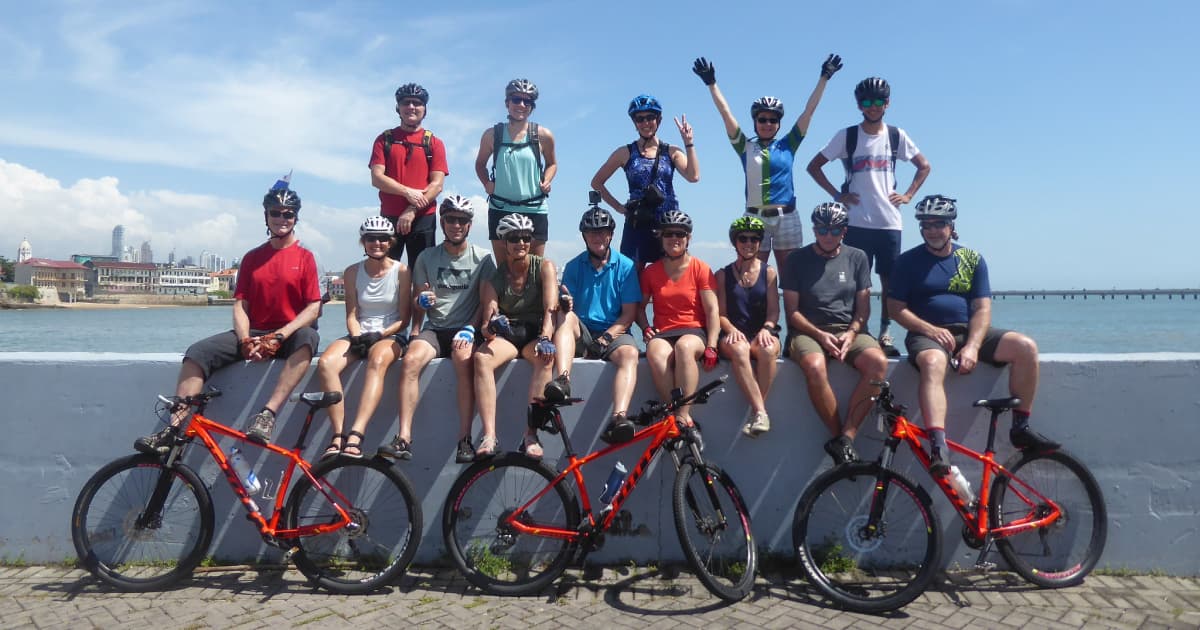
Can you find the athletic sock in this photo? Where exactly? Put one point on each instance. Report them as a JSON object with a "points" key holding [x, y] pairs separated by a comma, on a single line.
{"points": [[937, 438], [1020, 420]]}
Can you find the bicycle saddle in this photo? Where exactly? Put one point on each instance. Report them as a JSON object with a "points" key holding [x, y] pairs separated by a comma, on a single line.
{"points": [[320, 400], [998, 404]]}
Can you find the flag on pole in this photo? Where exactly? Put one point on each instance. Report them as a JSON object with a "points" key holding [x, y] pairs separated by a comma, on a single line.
{"points": [[282, 184]]}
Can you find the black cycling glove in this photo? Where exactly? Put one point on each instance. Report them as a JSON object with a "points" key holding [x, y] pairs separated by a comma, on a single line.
{"points": [[831, 66], [705, 70]]}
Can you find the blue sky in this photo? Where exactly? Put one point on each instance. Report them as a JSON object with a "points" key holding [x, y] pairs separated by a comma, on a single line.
{"points": [[1052, 123]]}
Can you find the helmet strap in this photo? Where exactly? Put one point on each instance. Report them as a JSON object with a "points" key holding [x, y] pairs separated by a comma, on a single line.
{"points": [[827, 253]]}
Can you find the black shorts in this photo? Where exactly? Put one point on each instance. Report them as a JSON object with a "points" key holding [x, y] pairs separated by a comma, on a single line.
{"points": [[222, 349], [442, 341], [523, 333], [882, 247], [541, 224], [585, 339], [423, 235], [914, 344], [672, 336]]}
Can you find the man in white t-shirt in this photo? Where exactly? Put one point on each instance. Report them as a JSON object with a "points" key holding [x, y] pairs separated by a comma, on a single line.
{"points": [[869, 152]]}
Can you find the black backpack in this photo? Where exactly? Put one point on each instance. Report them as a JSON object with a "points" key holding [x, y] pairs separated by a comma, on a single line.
{"points": [[426, 146], [852, 144], [531, 140]]}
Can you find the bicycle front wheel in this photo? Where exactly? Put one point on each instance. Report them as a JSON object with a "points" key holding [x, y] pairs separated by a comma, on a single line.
{"points": [[714, 530], [487, 550], [380, 542], [141, 526], [1065, 551], [867, 538]]}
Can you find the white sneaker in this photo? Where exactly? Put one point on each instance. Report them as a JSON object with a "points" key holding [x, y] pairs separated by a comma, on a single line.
{"points": [[760, 423]]}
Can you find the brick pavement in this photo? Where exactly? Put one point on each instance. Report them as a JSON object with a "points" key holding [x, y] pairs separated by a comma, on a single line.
{"points": [[57, 597]]}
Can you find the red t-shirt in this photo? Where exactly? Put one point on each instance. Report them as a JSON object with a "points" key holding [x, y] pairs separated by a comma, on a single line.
{"points": [[677, 303], [277, 284], [407, 165]]}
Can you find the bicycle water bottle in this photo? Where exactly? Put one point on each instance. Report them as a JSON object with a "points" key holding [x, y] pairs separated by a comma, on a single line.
{"points": [[961, 485], [615, 479], [244, 472]]}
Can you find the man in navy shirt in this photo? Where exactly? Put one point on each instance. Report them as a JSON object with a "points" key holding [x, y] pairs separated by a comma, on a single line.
{"points": [[940, 294]]}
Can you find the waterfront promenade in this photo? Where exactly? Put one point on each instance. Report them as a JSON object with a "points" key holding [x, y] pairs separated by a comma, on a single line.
{"points": [[58, 597]]}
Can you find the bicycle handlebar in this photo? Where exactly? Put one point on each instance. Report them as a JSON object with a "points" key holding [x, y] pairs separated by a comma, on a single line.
{"points": [[197, 400], [655, 409], [884, 399]]}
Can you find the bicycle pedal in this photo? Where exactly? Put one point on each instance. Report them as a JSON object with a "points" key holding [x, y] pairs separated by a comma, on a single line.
{"points": [[291, 551]]}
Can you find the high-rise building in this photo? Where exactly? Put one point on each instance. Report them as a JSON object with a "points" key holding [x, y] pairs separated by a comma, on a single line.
{"points": [[118, 241], [147, 254], [24, 251]]}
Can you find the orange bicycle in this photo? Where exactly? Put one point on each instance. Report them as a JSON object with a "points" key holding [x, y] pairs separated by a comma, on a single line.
{"points": [[144, 522], [512, 524], [869, 540]]}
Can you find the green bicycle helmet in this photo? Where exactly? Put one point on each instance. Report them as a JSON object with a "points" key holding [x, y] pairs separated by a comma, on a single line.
{"points": [[745, 224]]}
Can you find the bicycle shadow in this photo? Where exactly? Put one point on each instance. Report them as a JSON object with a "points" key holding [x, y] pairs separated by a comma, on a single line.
{"points": [[950, 587], [686, 594]]}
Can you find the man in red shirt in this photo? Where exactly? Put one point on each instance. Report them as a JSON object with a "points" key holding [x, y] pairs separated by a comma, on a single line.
{"points": [[408, 166], [277, 300]]}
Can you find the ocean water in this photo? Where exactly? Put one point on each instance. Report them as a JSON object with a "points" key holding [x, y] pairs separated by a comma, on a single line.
{"points": [[1059, 326]]}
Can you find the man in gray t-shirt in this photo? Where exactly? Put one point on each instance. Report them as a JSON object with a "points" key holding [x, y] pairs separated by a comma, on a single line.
{"points": [[446, 283], [827, 301]]}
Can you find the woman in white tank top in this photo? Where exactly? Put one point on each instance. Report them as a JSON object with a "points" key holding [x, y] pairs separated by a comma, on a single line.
{"points": [[378, 292]]}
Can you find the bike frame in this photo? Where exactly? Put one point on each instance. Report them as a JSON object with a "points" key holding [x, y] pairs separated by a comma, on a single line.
{"points": [[205, 429], [657, 435], [975, 519]]}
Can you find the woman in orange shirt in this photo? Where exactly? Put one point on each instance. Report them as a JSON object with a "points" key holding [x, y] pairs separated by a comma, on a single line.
{"points": [[686, 317]]}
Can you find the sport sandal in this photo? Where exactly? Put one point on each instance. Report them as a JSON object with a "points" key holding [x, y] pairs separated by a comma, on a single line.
{"points": [[356, 445], [487, 447], [399, 448], [465, 453], [531, 447], [335, 446]]}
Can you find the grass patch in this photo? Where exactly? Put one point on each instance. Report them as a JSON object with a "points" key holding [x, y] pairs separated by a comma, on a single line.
{"points": [[1124, 571], [476, 603], [832, 558], [319, 617]]}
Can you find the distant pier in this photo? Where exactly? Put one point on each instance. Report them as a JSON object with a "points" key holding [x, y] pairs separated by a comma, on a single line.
{"points": [[1099, 294]]}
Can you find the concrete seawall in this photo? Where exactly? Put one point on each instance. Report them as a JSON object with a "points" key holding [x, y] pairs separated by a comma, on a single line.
{"points": [[1133, 418]]}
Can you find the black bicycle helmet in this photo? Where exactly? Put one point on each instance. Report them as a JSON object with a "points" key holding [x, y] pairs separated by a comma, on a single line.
{"points": [[872, 87], [766, 104], [676, 218], [830, 214], [937, 207], [521, 86], [597, 219], [412, 90], [281, 198], [644, 103]]}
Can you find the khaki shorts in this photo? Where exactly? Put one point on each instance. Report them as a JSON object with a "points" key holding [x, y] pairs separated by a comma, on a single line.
{"points": [[803, 344]]}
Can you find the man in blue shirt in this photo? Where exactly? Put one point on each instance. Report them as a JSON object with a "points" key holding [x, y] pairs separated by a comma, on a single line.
{"points": [[600, 295], [941, 295]]}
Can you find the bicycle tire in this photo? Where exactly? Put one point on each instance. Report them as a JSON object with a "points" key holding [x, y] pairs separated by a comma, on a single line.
{"points": [[492, 556], [723, 557], [141, 557], [858, 570], [387, 531], [1078, 539]]}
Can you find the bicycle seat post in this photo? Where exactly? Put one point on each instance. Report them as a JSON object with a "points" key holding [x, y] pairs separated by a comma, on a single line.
{"points": [[991, 440]]}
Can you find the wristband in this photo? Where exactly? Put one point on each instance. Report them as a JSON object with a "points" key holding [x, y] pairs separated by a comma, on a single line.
{"points": [[688, 146]]}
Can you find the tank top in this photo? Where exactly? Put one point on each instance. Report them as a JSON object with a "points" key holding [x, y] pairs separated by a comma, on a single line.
{"points": [[746, 307], [526, 306], [517, 176], [637, 173], [377, 308]]}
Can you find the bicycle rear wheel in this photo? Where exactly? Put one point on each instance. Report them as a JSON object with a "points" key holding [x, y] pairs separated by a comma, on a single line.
{"points": [[1064, 552], [141, 526], [490, 553], [377, 546], [714, 530], [862, 564]]}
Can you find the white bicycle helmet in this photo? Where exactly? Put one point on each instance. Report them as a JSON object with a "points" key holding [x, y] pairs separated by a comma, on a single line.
{"points": [[937, 207], [375, 225], [458, 203], [514, 223]]}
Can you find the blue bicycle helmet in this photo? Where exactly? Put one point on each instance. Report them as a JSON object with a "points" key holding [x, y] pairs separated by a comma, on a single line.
{"points": [[644, 103]]}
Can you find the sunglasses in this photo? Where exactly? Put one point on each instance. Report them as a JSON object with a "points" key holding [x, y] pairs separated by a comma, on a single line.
{"points": [[287, 214], [934, 225], [412, 102], [873, 102], [674, 234], [824, 231], [457, 220], [767, 121], [376, 238], [644, 118], [746, 238], [520, 100], [524, 238]]}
